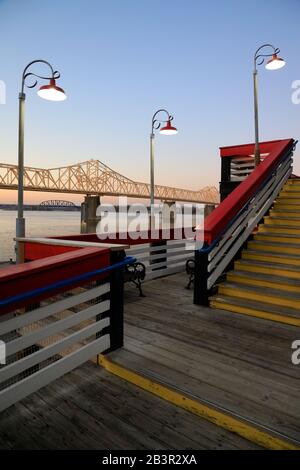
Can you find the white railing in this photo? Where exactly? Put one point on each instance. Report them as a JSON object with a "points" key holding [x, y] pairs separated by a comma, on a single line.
{"points": [[52, 339], [169, 257], [240, 230], [241, 167]]}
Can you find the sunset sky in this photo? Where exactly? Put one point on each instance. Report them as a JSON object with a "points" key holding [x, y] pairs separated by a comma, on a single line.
{"points": [[121, 60]]}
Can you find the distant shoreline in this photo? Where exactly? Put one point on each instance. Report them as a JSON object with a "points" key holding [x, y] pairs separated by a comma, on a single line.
{"points": [[37, 207]]}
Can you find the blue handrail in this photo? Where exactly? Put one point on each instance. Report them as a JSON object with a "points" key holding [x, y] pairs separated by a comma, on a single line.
{"points": [[82, 277]]}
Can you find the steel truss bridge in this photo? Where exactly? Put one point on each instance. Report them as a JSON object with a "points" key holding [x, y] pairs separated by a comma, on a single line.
{"points": [[95, 178], [57, 203]]}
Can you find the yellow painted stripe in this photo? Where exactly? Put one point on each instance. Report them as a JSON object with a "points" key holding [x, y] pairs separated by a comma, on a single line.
{"points": [[288, 200], [260, 297], [256, 268], [290, 191], [270, 258], [281, 285], [273, 238], [276, 213], [277, 221], [255, 313], [281, 206], [219, 418], [278, 229], [274, 248]]}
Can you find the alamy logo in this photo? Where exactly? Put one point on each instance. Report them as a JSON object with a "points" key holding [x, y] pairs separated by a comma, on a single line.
{"points": [[296, 93], [296, 354], [2, 352], [2, 92]]}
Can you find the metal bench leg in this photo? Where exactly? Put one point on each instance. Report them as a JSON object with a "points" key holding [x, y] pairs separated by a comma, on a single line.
{"points": [[190, 281], [139, 286]]}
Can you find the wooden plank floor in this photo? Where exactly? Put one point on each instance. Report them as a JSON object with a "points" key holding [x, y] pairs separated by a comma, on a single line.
{"points": [[239, 362], [92, 409]]}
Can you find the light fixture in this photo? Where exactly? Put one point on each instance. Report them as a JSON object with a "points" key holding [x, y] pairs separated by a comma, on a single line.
{"points": [[168, 129], [52, 92], [275, 63], [49, 92]]}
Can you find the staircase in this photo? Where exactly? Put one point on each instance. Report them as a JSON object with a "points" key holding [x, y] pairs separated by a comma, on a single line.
{"points": [[265, 282]]}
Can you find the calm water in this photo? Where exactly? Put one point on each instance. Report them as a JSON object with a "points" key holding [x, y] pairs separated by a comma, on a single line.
{"points": [[43, 224], [37, 224]]}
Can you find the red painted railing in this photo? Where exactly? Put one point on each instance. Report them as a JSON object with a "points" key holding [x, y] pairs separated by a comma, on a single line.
{"points": [[128, 238], [219, 219], [34, 250], [20, 279]]}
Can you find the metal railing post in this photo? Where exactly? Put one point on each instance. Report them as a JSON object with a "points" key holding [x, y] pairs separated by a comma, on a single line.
{"points": [[116, 303], [201, 293]]}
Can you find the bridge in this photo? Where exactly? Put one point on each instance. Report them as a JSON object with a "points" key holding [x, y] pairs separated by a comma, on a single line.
{"points": [[93, 177], [57, 203]]}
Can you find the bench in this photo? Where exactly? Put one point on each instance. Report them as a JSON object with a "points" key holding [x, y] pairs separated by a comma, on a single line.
{"points": [[190, 270], [135, 273]]}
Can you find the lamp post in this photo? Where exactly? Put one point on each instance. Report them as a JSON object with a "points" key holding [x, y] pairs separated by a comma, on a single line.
{"points": [[49, 92], [273, 63], [167, 129]]}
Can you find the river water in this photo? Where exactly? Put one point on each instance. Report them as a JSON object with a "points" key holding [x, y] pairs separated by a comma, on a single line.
{"points": [[38, 223], [55, 223]]}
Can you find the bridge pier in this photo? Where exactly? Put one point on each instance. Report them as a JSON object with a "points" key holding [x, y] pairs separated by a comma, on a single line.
{"points": [[88, 214]]}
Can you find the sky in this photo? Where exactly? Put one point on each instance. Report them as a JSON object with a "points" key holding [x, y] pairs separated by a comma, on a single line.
{"points": [[121, 60]]}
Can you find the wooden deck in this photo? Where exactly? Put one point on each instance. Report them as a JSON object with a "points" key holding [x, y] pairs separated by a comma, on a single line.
{"points": [[91, 409], [238, 363]]}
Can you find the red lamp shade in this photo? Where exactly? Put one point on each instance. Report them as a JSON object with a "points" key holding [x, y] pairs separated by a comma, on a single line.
{"points": [[275, 63], [52, 92], [168, 129]]}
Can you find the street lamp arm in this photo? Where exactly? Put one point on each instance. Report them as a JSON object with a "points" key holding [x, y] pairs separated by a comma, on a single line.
{"points": [[262, 57], [156, 123], [54, 74]]}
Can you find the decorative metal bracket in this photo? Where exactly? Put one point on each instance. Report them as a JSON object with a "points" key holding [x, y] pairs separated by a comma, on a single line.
{"points": [[156, 123], [260, 58], [54, 74]]}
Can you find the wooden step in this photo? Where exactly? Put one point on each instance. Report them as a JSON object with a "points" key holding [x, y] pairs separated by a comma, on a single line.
{"points": [[280, 258], [293, 181], [274, 247], [282, 200], [277, 237], [288, 222], [288, 198], [262, 294], [286, 207], [295, 206], [293, 190], [255, 266], [284, 213], [255, 309], [295, 186], [283, 229], [264, 280], [289, 190]]}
